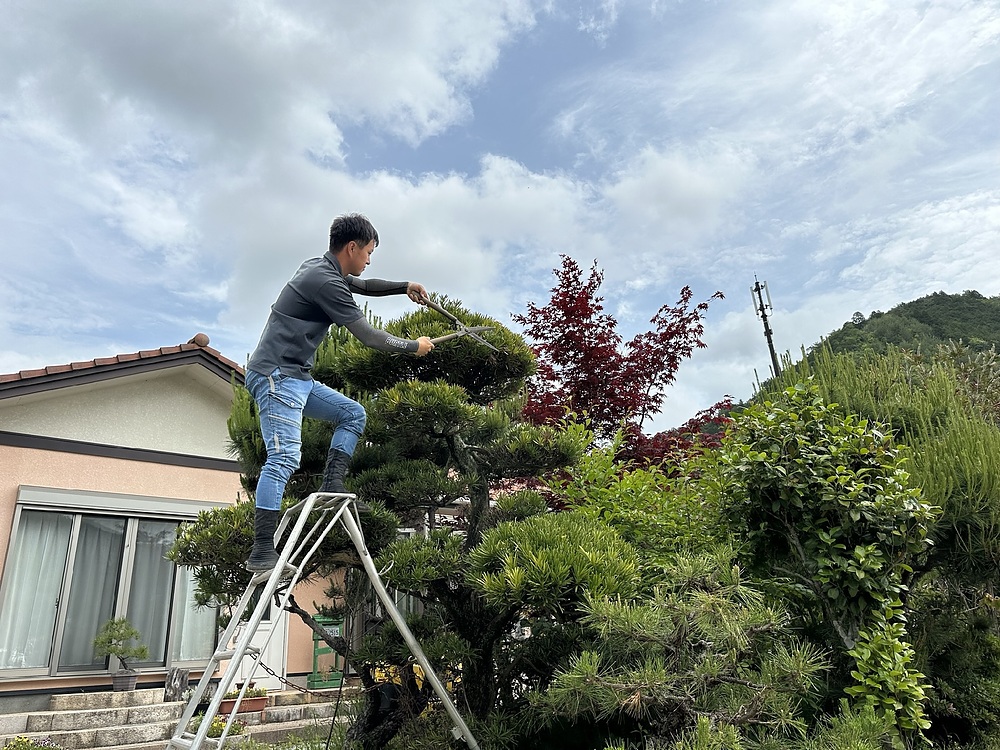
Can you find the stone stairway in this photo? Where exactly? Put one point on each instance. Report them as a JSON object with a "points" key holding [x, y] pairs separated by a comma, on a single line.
{"points": [[141, 720]]}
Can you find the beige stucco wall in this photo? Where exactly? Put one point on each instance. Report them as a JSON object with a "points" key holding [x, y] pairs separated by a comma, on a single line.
{"points": [[176, 410], [300, 637], [27, 466]]}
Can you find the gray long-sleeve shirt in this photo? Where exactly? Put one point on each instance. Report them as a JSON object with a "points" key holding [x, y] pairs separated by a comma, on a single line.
{"points": [[316, 297]]}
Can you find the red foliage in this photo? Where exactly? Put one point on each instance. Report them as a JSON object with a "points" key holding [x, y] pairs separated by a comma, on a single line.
{"points": [[584, 368], [704, 430], [577, 348]]}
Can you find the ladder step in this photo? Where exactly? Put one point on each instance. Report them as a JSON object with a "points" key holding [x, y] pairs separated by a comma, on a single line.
{"points": [[186, 740], [264, 575], [229, 654]]}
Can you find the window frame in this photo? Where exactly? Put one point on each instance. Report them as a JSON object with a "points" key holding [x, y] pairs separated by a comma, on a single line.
{"points": [[132, 509]]}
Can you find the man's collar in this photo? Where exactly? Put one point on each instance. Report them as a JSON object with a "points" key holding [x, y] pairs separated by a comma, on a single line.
{"points": [[328, 255]]}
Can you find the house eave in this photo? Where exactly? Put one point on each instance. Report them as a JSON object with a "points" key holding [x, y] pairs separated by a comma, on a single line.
{"points": [[65, 445]]}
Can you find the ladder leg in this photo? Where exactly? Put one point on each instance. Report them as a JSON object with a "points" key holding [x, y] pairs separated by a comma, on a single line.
{"points": [[461, 730], [270, 580], [218, 656]]}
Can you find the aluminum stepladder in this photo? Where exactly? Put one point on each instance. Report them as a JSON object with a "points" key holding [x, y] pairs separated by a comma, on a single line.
{"points": [[293, 557]]}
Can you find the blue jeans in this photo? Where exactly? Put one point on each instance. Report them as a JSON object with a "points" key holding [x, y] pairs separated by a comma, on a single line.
{"points": [[282, 402]]}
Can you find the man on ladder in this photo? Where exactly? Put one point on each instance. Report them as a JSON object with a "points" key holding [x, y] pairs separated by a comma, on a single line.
{"points": [[278, 376], [319, 295]]}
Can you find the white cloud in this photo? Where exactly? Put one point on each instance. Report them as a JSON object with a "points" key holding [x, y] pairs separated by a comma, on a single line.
{"points": [[171, 163], [245, 74], [948, 245], [675, 198], [600, 22]]}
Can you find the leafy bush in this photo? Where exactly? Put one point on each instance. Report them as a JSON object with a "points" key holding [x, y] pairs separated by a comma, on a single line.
{"points": [[820, 500], [658, 514]]}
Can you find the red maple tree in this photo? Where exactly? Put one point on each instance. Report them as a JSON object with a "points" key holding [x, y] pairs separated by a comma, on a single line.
{"points": [[585, 368]]}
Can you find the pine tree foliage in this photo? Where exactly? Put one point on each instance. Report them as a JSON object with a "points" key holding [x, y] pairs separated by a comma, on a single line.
{"points": [[706, 650], [546, 562], [486, 376], [246, 443], [978, 374]]}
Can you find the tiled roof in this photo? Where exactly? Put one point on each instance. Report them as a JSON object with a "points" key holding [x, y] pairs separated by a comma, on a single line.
{"points": [[198, 346]]}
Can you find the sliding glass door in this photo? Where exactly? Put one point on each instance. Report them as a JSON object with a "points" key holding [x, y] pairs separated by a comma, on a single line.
{"points": [[93, 589], [151, 592], [33, 579], [68, 573]]}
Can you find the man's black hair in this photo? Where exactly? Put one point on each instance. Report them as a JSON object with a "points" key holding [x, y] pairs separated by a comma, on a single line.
{"points": [[350, 227]]}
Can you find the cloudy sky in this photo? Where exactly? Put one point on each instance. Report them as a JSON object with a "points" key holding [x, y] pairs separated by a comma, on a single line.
{"points": [[167, 164]]}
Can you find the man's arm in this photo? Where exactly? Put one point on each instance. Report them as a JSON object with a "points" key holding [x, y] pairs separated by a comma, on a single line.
{"points": [[383, 288], [372, 337], [375, 287]]}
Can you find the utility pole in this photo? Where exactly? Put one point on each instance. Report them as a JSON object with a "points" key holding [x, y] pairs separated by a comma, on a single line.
{"points": [[757, 293]]}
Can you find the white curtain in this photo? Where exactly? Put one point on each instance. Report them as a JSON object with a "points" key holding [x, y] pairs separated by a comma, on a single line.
{"points": [[93, 589], [194, 627], [152, 586], [32, 579]]}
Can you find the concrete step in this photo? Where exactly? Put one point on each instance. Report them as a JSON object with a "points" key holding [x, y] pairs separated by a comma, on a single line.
{"points": [[95, 718], [270, 733], [11, 724], [324, 695], [109, 699], [141, 723], [79, 739], [298, 712], [279, 731]]}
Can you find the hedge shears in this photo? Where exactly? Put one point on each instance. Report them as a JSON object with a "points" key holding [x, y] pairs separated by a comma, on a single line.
{"points": [[463, 330]]}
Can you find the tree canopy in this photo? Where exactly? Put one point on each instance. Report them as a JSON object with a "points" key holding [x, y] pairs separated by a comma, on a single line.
{"points": [[923, 324], [586, 371]]}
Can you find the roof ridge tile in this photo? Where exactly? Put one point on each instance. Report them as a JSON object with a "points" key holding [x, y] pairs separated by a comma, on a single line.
{"points": [[199, 342]]}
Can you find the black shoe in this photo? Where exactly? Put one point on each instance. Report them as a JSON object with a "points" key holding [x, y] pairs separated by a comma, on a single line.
{"points": [[336, 467], [263, 557]]}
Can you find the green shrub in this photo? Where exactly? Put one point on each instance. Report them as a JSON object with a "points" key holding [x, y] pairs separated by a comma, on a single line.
{"points": [[820, 499], [31, 743]]}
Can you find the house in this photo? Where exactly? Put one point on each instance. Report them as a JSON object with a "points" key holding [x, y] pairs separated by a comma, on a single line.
{"points": [[99, 463]]}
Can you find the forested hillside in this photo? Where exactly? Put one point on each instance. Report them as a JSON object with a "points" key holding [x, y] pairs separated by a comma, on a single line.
{"points": [[924, 323]]}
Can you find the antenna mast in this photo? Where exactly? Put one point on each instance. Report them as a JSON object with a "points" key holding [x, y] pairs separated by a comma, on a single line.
{"points": [[757, 293]]}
